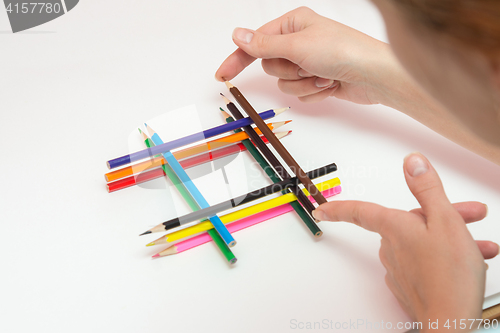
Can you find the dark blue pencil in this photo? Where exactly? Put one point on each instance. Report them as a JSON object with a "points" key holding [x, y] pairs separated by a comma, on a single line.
{"points": [[114, 163]]}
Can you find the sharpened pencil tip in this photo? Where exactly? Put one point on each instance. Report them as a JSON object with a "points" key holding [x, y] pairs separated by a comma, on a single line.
{"points": [[150, 244], [146, 125], [228, 84], [226, 100], [288, 121], [145, 233], [156, 256], [278, 111], [140, 130]]}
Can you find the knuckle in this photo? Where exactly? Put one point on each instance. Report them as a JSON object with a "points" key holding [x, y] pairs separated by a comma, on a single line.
{"points": [[304, 10], [356, 215], [425, 188], [263, 42]]}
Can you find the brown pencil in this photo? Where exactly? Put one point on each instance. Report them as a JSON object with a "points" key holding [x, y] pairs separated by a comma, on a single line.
{"points": [[273, 161], [287, 157]]}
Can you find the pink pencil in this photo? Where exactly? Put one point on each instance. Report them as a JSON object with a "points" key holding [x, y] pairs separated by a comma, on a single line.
{"points": [[238, 225]]}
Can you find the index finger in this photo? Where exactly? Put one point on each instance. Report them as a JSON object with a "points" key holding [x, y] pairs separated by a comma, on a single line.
{"points": [[367, 215], [285, 24]]}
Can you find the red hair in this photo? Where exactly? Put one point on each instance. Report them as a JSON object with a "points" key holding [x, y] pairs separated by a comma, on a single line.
{"points": [[473, 23]]}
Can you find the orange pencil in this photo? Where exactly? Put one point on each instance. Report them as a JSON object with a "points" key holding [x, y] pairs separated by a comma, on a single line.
{"points": [[181, 154]]}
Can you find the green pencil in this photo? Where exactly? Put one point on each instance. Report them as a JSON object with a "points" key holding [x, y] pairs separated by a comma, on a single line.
{"points": [[226, 251], [309, 222]]}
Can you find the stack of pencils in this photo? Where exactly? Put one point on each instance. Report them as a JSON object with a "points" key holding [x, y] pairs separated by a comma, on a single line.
{"points": [[205, 223]]}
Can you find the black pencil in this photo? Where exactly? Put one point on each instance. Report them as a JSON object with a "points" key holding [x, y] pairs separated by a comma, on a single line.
{"points": [[242, 199]]}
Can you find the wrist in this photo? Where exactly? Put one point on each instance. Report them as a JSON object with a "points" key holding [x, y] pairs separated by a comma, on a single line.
{"points": [[392, 85]]}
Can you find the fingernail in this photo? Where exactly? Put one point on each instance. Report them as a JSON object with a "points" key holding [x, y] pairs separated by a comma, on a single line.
{"points": [[243, 35], [335, 83], [415, 165], [321, 82], [498, 249], [486, 206], [319, 215], [303, 73]]}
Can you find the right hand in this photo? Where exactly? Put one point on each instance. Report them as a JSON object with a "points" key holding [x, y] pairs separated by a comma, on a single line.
{"points": [[434, 268], [314, 57]]}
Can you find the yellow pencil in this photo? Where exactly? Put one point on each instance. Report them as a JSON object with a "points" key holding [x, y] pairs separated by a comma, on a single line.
{"points": [[242, 213]]}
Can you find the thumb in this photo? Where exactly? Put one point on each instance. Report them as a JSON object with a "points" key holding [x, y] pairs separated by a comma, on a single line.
{"points": [[260, 45], [425, 184]]}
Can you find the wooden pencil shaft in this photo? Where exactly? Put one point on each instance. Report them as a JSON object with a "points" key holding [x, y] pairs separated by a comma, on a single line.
{"points": [[246, 198], [492, 312], [226, 251], [320, 199], [306, 218], [181, 155], [240, 147], [193, 190], [126, 159], [275, 163]]}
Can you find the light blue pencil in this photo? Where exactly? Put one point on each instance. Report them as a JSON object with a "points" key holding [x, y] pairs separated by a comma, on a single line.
{"points": [[195, 193]]}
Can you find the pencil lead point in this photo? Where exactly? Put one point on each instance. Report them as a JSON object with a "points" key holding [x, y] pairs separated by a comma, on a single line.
{"points": [[155, 256], [146, 125], [140, 130], [288, 121], [150, 244], [145, 233]]}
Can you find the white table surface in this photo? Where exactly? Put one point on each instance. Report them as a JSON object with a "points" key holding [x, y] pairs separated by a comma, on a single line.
{"points": [[72, 93]]}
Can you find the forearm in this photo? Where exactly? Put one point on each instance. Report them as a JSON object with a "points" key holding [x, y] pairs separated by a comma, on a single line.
{"points": [[400, 92]]}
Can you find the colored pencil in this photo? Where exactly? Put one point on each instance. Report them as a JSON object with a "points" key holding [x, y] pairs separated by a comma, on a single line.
{"points": [[273, 161], [306, 218], [185, 153], [135, 180], [193, 190], [226, 251], [241, 200], [186, 164], [237, 226], [242, 213], [287, 157], [126, 159]]}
